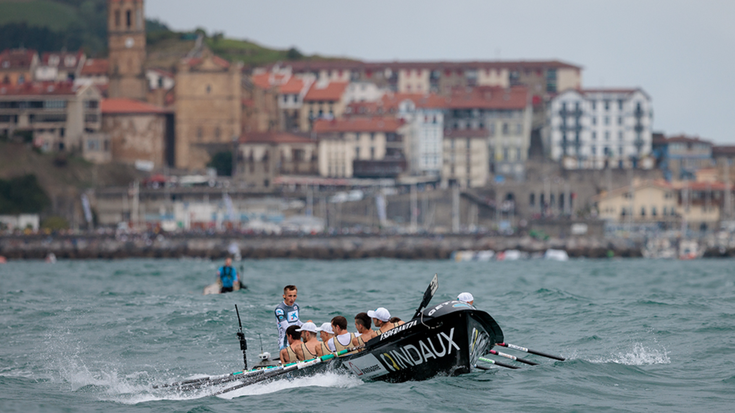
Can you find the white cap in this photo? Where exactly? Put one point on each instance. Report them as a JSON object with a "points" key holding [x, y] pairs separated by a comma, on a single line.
{"points": [[308, 326], [381, 314], [465, 297], [326, 327]]}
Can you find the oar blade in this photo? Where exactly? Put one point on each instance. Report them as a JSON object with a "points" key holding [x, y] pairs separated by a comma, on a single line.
{"points": [[428, 294]]}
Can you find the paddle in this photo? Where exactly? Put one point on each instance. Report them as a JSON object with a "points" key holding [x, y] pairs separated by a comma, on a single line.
{"points": [[428, 294], [538, 353], [491, 361], [194, 383], [286, 369], [518, 359], [241, 337]]}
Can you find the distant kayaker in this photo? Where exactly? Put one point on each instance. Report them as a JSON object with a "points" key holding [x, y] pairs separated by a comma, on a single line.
{"points": [[292, 353], [466, 298], [363, 324], [311, 347], [287, 314], [381, 319], [325, 333], [342, 338], [228, 275]]}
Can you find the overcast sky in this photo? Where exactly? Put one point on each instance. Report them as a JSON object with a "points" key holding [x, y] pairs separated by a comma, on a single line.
{"points": [[681, 52]]}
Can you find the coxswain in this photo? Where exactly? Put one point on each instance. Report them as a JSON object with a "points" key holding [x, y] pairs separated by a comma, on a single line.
{"points": [[292, 353], [363, 324], [325, 333], [381, 319], [466, 298], [228, 276], [342, 338], [287, 314], [311, 347]]}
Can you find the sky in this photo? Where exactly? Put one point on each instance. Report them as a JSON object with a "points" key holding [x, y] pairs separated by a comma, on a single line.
{"points": [[682, 53]]}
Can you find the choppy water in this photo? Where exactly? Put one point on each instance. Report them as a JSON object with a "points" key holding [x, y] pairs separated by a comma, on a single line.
{"points": [[639, 335]]}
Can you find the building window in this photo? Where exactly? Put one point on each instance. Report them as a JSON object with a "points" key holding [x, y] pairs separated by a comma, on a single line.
{"points": [[217, 132], [357, 152], [607, 135], [594, 150], [653, 211], [519, 129], [117, 18], [209, 88], [372, 152], [620, 104], [620, 120], [594, 136], [607, 105], [620, 136], [607, 120], [199, 133], [643, 211], [506, 129], [594, 121], [128, 19]]}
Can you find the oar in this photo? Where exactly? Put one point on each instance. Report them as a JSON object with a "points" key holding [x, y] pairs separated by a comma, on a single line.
{"points": [[286, 369], [194, 383], [514, 358], [428, 294], [538, 353], [491, 361]]}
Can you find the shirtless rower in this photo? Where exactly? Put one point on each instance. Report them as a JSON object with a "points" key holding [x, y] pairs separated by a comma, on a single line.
{"points": [[342, 338], [381, 319], [363, 324], [325, 333], [293, 352], [311, 347]]}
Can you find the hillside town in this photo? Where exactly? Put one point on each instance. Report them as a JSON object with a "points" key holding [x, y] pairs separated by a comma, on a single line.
{"points": [[346, 147]]}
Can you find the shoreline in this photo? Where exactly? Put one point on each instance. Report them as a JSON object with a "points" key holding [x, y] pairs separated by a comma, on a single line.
{"points": [[216, 246]]}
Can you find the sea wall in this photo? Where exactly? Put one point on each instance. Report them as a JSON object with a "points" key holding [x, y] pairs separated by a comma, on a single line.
{"points": [[319, 247]]}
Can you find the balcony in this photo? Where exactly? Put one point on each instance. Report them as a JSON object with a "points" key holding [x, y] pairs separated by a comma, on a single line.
{"points": [[386, 168]]}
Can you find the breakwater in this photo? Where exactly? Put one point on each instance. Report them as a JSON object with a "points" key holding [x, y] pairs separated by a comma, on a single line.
{"points": [[318, 247]]}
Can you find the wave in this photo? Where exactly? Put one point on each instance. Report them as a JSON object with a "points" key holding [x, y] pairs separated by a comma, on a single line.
{"points": [[330, 379], [638, 356]]}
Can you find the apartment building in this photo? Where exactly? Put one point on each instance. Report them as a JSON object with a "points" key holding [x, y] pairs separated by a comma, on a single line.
{"points": [[137, 131], [423, 115], [60, 66], [362, 147], [59, 115], [262, 157], [324, 100], [17, 66], [465, 158], [600, 128]]}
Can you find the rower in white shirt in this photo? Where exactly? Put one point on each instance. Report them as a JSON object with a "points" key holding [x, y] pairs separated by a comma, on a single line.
{"points": [[342, 338]]}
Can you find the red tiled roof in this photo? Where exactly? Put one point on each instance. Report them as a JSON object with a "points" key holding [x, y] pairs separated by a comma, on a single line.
{"points": [[121, 106], [274, 138], [610, 90], [11, 59], [332, 92], [39, 88], [723, 150], [306, 65], [377, 124], [95, 67], [427, 101], [699, 186], [465, 133], [293, 86], [687, 139], [62, 59], [486, 97], [262, 80]]}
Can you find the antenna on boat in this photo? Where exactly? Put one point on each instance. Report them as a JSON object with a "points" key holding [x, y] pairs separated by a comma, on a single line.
{"points": [[241, 337]]}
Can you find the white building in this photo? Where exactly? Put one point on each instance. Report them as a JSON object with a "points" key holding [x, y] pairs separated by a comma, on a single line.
{"points": [[598, 128], [363, 92], [424, 116]]}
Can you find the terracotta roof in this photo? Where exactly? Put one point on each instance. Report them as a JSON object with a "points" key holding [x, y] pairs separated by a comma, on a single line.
{"points": [[316, 65], [39, 88], [95, 67], [687, 139], [377, 124], [16, 59], [293, 86], [122, 106], [699, 186], [331, 92], [515, 97], [723, 150], [465, 133], [427, 101], [61, 59], [274, 138]]}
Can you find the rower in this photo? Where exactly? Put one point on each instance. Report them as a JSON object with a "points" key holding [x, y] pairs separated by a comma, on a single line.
{"points": [[310, 347], [466, 298], [381, 319], [342, 338], [325, 333], [287, 314], [397, 321], [228, 275], [292, 353], [363, 324]]}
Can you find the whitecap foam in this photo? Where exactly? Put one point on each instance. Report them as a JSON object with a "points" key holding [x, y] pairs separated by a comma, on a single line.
{"points": [[319, 380], [640, 355]]}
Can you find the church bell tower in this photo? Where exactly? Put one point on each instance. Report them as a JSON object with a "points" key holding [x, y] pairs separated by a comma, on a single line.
{"points": [[126, 47]]}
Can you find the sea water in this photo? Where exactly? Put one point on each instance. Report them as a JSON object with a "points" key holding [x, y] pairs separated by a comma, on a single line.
{"points": [[97, 335]]}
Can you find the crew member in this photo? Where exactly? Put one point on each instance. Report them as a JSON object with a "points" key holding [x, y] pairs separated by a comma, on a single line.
{"points": [[228, 275], [292, 352], [381, 319], [287, 314], [466, 298], [311, 347], [342, 338], [325, 333], [397, 321], [363, 324]]}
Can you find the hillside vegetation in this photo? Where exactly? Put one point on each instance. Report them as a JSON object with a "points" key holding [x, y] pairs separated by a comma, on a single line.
{"points": [[51, 25]]}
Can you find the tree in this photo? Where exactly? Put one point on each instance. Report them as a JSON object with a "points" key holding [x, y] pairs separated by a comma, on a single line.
{"points": [[294, 54], [22, 195], [222, 162]]}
